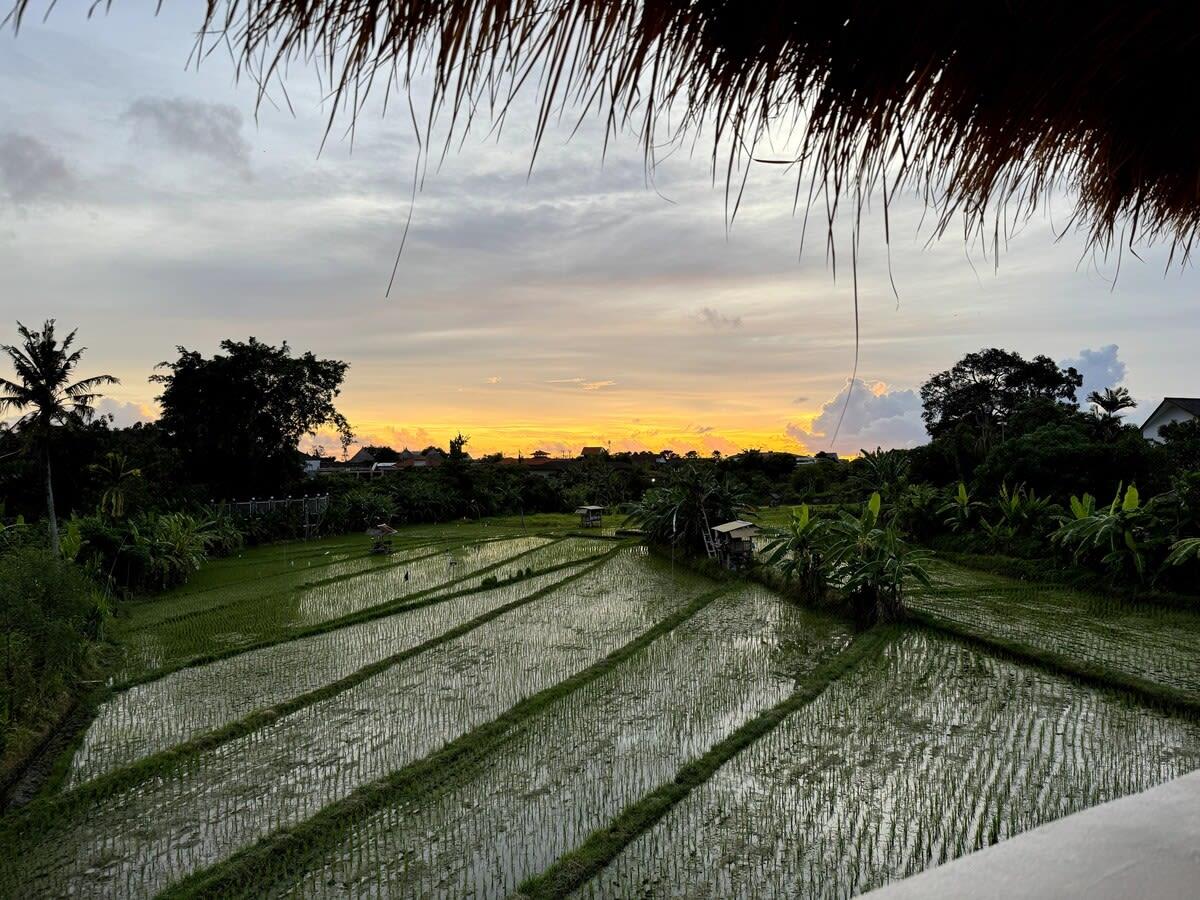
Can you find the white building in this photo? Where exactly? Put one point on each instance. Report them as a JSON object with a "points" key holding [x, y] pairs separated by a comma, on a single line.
{"points": [[1172, 409]]}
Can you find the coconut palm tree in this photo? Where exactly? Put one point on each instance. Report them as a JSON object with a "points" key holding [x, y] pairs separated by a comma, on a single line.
{"points": [[1112, 400], [115, 475], [43, 387]]}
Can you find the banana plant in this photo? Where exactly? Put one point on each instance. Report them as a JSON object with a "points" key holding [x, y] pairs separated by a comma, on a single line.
{"points": [[1120, 532], [1182, 551], [872, 564], [798, 553], [960, 512]]}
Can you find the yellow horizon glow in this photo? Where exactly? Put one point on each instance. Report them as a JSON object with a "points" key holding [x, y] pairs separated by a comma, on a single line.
{"points": [[566, 438]]}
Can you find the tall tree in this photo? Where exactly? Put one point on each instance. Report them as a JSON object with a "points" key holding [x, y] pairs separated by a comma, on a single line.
{"points": [[237, 418], [43, 367], [983, 390], [1111, 401]]}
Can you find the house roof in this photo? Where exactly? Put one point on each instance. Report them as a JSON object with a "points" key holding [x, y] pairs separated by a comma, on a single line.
{"points": [[1190, 404], [735, 525], [590, 509]]}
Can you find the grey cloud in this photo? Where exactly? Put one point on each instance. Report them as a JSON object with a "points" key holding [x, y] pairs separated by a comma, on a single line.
{"points": [[212, 130], [874, 416], [719, 320], [30, 171], [1100, 369]]}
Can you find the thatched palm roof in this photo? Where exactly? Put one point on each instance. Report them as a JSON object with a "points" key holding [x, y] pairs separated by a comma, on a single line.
{"points": [[984, 108]]}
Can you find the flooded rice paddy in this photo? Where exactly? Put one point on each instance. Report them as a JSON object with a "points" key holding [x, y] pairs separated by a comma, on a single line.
{"points": [[335, 670], [930, 752]]}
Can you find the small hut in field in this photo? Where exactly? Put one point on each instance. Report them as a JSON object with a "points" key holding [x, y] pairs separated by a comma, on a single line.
{"points": [[590, 516], [733, 543]]}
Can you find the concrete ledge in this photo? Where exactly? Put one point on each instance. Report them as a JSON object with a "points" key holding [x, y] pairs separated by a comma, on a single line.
{"points": [[1146, 845]]}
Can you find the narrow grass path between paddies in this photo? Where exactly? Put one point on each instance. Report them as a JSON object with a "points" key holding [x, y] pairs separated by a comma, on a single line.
{"points": [[284, 773], [175, 607]]}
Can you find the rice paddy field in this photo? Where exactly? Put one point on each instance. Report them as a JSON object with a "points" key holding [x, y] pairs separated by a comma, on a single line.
{"points": [[496, 711]]}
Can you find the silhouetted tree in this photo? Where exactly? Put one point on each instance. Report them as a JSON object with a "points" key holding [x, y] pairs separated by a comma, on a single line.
{"points": [[983, 390], [43, 366], [237, 418]]}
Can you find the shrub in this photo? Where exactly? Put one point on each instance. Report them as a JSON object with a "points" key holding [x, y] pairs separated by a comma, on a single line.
{"points": [[48, 611]]}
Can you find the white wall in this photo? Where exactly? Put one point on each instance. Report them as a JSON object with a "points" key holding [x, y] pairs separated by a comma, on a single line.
{"points": [[1161, 417]]}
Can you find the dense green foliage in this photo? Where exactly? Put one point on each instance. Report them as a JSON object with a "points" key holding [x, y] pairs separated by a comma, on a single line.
{"points": [[982, 392], [237, 418], [49, 612], [696, 497]]}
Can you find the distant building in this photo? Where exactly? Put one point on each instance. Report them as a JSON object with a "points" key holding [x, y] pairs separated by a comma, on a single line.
{"points": [[827, 455], [540, 454], [591, 452], [1171, 410], [803, 460], [368, 455]]}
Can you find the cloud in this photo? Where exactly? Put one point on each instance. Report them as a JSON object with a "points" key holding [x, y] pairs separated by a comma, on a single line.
{"points": [[800, 401], [125, 414], [30, 171], [212, 130], [875, 416], [584, 383], [494, 379], [1100, 369], [718, 320]]}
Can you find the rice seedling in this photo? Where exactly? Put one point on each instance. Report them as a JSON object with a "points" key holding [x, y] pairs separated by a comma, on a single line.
{"points": [[136, 842], [254, 617], [931, 750], [584, 757], [1143, 641], [159, 714]]}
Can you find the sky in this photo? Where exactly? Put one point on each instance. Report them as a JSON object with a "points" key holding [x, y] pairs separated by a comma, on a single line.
{"points": [[152, 204]]}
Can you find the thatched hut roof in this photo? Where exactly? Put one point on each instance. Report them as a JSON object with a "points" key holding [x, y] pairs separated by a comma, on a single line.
{"points": [[984, 108]]}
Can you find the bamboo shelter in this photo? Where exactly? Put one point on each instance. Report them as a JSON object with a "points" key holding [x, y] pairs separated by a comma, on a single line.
{"points": [[984, 109]]}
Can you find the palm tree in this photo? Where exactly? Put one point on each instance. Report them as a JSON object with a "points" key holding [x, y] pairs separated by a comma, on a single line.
{"points": [[43, 387], [1112, 401], [116, 475]]}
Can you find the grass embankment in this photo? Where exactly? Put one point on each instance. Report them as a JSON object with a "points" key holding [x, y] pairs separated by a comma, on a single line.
{"points": [[54, 808], [573, 869], [252, 872]]}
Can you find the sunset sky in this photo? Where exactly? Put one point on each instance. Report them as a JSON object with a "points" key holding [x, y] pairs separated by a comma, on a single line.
{"points": [[151, 204]]}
